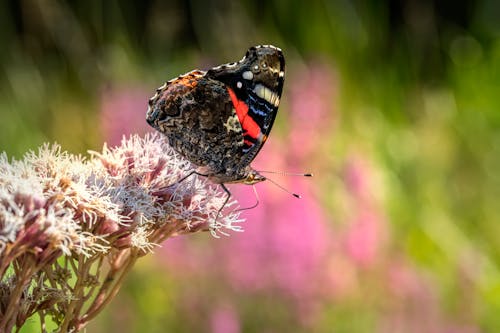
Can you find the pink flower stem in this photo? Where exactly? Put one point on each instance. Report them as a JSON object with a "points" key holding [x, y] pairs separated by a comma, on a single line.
{"points": [[76, 303], [23, 276], [122, 264]]}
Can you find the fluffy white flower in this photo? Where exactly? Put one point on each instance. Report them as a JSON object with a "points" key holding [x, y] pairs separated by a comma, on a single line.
{"points": [[115, 207]]}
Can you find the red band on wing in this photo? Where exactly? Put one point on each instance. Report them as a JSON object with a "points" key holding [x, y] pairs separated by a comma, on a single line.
{"points": [[250, 127]]}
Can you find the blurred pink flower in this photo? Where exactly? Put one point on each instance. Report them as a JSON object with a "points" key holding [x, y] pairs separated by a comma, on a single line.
{"points": [[357, 179], [123, 112], [367, 232], [283, 247], [282, 251], [414, 304], [313, 98], [363, 239], [225, 320]]}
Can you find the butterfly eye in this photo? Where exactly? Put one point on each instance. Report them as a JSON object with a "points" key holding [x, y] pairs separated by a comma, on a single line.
{"points": [[264, 65], [256, 67]]}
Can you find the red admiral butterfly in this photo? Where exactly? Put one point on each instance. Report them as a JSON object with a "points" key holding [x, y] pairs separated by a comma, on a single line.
{"points": [[220, 119]]}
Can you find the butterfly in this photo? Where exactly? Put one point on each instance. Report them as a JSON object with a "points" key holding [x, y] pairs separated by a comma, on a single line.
{"points": [[219, 119]]}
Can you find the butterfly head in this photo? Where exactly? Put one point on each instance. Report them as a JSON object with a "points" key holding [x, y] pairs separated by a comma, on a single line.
{"points": [[253, 177], [247, 176]]}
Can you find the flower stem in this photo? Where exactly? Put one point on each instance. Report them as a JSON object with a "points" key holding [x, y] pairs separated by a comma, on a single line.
{"points": [[111, 285], [23, 279]]}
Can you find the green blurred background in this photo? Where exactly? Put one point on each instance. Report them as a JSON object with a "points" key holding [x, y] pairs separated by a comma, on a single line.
{"points": [[393, 105]]}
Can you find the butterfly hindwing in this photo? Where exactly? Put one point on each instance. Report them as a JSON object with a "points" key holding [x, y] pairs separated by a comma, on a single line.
{"points": [[198, 118]]}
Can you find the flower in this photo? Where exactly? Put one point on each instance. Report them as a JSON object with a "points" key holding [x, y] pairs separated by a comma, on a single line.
{"points": [[367, 231], [115, 207]]}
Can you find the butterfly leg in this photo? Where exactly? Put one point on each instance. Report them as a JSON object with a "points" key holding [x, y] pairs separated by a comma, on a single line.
{"points": [[219, 212], [257, 201], [225, 201], [189, 175]]}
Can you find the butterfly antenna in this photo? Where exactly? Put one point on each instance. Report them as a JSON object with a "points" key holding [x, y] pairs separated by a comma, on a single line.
{"points": [[284, 173], [284, 189]]}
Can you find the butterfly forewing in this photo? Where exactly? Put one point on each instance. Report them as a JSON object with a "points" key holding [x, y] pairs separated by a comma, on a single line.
{"points": [[255, 84]]}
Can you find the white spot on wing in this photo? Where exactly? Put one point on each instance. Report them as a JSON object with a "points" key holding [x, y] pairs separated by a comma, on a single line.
{"points": [[268, 46], [232, 123], [267, 94], [248, 75]]}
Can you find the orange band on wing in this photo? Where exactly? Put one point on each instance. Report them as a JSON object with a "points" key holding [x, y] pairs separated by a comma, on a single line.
{"points": [[250, 127]]}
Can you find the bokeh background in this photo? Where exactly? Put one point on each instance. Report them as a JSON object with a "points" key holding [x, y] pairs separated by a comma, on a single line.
{"points": [[393, 105]]}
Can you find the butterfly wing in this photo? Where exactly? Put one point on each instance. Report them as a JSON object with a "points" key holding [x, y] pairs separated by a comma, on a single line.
{"points": [[255, 84], [220, 119], [197, 116]]}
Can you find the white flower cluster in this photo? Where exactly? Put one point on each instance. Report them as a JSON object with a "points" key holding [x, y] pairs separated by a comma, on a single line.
{"points": [[115, 207], [72, 204]]}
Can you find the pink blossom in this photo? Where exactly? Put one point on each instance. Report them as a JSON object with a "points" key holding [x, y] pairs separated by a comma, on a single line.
{"points": [[283, 247], [225, 320], [363, 239], [357, 178], [313, 98], [366, 232], [414, 305]]}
